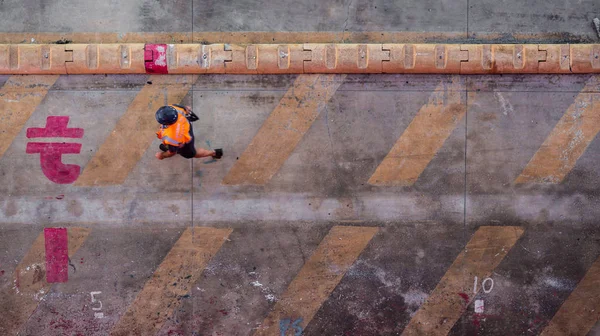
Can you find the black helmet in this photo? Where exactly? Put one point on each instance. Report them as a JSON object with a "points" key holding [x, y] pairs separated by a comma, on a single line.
{"points": [[167, 115]]}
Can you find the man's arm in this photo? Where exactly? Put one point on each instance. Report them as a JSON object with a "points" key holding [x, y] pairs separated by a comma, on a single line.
{"points": [[186, 108]]}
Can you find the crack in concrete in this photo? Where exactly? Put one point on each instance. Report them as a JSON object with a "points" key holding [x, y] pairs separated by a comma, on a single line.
{"points": [[347, 18], [72, 265], [330, 139]]}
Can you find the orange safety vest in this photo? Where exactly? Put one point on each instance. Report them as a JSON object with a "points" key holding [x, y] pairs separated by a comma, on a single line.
{"points": [[177, 134]]}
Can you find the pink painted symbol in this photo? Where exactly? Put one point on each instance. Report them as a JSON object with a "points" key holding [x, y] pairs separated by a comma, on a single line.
{"points": [[57, 254], [155, 58], [50, 160], [51, 153], [56, 127]]}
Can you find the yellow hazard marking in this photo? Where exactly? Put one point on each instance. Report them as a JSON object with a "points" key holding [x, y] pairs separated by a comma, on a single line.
{"points": [[19, 97], [283, 129], [134, 132], [317, 278], [581, 311], [423, 137], [448, 301], [29, 284], [173, 279], [568, 140]]}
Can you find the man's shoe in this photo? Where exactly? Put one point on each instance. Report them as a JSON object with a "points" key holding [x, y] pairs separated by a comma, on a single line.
{"points": [[218, 153]]}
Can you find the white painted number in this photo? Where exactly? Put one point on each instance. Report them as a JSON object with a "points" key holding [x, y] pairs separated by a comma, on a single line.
{"points": [[487, 285], [94, 300], [97, 312], [487, 290]]}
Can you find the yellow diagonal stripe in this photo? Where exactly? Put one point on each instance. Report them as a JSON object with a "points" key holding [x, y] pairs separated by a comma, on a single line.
{"points": [[444, 306], [283, 129], [173, 279], [568, 140], [423, 137], [318, 277], [19, 97], [29, 285], [581, 311], [134, 132]]}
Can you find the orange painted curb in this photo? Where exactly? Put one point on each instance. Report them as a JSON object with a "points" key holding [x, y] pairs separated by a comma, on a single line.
{"points": [[135, 58]]}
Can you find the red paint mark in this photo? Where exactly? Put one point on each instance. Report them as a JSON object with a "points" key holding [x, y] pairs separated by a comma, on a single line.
{"points": [[223, 311], [50, 160], [62, 323], [398, 307], [55, 127], [477, 320], [57, 258], [465, 297], [81, 261], [1, 272], [155, 58], [59, 197]]}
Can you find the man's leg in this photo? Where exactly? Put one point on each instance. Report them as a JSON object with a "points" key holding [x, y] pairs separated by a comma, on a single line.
{"points": [[201, 152], [189, 150]]}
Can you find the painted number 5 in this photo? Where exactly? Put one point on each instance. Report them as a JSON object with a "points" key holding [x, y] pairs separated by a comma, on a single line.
{"points": [[97, 312]]}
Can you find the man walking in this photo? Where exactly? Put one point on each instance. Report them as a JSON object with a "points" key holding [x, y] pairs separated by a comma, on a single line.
{"points": [[177, 134]]}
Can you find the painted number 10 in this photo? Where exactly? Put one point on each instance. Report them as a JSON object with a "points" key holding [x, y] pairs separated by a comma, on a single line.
{"points": [[487, 285]]}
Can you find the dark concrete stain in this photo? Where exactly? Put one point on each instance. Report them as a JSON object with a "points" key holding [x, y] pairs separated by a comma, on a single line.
{"points": [[553, 37], [487, 116], [174, 209], [75, 208], [39, 274], [371, 298], [63, 41], [11, 208], [258, 100]]}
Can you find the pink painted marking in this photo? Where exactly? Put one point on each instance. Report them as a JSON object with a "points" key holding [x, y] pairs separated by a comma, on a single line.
{"points": [[155, 58], [55, 127], [57, 255], [464, 297], [50, 160]]}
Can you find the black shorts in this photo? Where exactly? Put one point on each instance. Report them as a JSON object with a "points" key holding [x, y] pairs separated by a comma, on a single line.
{"points": [[188, 150]]}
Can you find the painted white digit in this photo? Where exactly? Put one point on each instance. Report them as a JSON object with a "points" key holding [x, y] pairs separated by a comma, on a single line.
{"points": [[487, 290], [94, 300]]}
